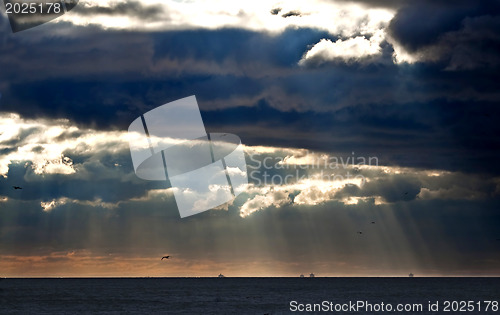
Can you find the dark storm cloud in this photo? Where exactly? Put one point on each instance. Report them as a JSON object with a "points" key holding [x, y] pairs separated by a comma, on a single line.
{"points": [[462, 34], [291, 13], [436, 135], [249, 83], [91, 88], [275, 11], [409, 186]]}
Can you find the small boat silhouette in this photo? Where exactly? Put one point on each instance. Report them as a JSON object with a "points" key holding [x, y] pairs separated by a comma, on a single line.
{"points": [[221, 275], [311, 275], [410, 275], [302, 276]]}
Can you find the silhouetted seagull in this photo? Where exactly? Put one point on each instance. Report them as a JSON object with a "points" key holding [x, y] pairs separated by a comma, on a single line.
{"points": [[359, 232], [17, 187], [165, 257], [373, 222]]}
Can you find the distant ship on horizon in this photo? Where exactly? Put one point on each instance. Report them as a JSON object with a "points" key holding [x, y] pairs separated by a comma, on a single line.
{"points": [[311, 275], [410, 275], [221, 275], [302, 276]]}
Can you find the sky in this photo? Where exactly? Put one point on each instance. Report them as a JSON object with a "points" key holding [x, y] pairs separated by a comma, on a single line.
{"points": [[378, 117]]}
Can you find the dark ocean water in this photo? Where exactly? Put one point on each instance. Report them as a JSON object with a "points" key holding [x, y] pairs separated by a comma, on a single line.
{"points": [[243, 295]]}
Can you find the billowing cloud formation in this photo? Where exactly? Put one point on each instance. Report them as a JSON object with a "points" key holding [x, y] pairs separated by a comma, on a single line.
{"points": [[101, 210], [350, 18], [462, 36], [424, 31], [432, 125], [295, 177], [249, 84], [55, 151], [43, 144], [352, 49]]}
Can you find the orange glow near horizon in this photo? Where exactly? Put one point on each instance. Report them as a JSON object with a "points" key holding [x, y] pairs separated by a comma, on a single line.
{"points": [[82, 264]]}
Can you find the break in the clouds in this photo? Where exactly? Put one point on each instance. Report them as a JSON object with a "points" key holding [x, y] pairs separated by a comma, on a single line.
{"points": [[81, 201], [350, 17], [55, 152], [250, 83], [423, 31], [413, 85], [349, 20]]}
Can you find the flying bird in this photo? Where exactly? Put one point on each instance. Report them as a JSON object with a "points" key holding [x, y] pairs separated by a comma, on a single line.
{"points": [[373, 222], [17, 187], [165, 257], [359, 232]]}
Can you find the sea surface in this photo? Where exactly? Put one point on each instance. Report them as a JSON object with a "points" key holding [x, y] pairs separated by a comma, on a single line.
{"points": [[246, 295]]}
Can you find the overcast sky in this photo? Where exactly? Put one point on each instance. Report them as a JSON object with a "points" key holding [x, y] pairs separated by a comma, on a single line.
{"points": [[411, 85]]}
